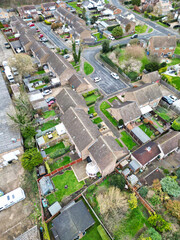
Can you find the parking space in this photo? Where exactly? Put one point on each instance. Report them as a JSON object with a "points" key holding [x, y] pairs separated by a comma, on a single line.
{"points": [[14, 220], [5, 53]]}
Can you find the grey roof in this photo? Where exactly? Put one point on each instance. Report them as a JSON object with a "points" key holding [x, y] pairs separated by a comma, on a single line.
{"points": [[151, 77], [81, 129], [123, 20], [16, 44], [134, 165], [71, 222], [8, 130], [31, 234], [163, 41], [126, 172], [76, 80], [68, 98], [140, 134], [169, 141], [132, 179], [55, 208], [144, 94], [46, 185], [106, 151]]}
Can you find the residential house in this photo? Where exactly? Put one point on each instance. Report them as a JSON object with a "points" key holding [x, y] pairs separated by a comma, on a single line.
{"points": [[162, 45], [163, 7], [48, 8], [127, 25], [127, 111], [60, 67], [78, 83], [106, 153], [4, 16], [111, 10], [146, 96], [79, 30], [73, 222], [60, 4], [151, 77], [31, 234], [80, 129], [68, 98], [28, 11], [40, 52], [146, 154], [10, 137], [27, 40], [169, 142]]}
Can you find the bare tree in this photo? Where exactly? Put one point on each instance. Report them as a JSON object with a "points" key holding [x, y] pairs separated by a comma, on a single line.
{"points": [[134, 51]]}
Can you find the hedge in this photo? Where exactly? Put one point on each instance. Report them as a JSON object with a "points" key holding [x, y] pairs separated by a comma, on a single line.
{"points": [[90, 103], [87, 94], [47, 167], [163, 69], [59, 152], [47, 22], [112, 27], [102, 233], [107, 60]]}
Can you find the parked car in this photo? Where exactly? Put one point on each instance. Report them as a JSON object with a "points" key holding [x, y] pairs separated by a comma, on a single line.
{"points": [[77, 42], [97, 79], [50, 99], [66, 56], [5, 63], [173, 98], [32, 25], [111, 38], [134, 36], [50, 103], [168, 100], [46, 92], [15, 71], [91, 115], [43, 39], [41, 35], [114, 75], [7, 45], [37, 30]]}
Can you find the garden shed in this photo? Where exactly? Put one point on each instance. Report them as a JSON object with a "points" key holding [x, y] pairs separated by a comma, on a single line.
{"points": [[46, 185], [140, 134]]}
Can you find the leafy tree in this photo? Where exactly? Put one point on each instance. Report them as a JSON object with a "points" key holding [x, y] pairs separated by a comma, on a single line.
{"points": [[155, 200], [84, 14], [152, 66], [136, 2], [105, 46], [45, 79], [159, 223], [176, 124], [173, 206], [150, 9], [94, 19], [31, 158], [127, 28], [170, 186], [29, 142], [75, 55], [118, 180], [132, 201], [23, 63], [178, 173], [1, 25], [117, 31], [143, 191], [28, 131], [156, 185]]}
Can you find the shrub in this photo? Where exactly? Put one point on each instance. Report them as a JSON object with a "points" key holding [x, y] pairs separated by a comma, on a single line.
{"points": [[111, 27], [132, 75], [107, 60], [152, 66], [155, 200], [159, 223], [178, 173], [132, 201], [166, 171], [145, 121], [31, 158], [118, 180], [47, 167], [173, 207], [163, 64], [29, 142], [163, 69], [105, 46], [176, 124], [102, 233], [45, 79], [170, 186], [59, 152], [89, 103], [150, 234], [95, 114], [143, 191], [47, 22], [117, 32]]}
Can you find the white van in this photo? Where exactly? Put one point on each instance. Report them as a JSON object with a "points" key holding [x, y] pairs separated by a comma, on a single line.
{"points": [[9, 74], [11, 198]]}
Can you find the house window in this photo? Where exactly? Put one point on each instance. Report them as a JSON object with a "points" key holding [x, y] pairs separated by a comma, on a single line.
{"points": [[157, 48], [164, 48], [171, 48]]}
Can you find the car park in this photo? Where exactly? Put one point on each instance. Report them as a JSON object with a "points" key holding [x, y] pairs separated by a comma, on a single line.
{"points": [[173, 98], [46, 92], [115, 75], [168, 100], [134, 36], [97, 79]]}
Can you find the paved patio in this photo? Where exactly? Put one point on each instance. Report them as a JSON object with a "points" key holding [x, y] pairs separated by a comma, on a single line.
{"points": [[79, 170]]}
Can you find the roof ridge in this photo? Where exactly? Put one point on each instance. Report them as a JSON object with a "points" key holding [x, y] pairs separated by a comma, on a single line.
{"points": [[108, 145]]}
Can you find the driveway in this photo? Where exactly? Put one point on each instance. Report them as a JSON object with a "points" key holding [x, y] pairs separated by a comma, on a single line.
{"points": [[5, 53], [14, 220]]}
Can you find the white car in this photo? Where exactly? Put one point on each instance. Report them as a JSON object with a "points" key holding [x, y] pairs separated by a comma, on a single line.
{"points": [[97, 79], [111, 38], [46, 92], [173, 98], [114, 75]]}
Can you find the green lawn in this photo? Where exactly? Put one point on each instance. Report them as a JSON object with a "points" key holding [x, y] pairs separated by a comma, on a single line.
{"points": [[174, 81], [40, 72], [141, 28], [67, 178], [36, 80], [54, 148], [104, 105], [120, 144], [92, 97], [97, 35], [91, 110], [134, 221], [97, 120], [146, 129], [177, 50], [163, 113], [127, 140], [88, 69], [174, 61], [74, 5], [76, 66], [162, 24], [144, 61], [150, 30], [60, 163], [49, 114], [41, 86], [49, 124], [113, 98]]}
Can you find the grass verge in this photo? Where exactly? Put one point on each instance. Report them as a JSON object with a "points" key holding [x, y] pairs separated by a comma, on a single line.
{"points": [[88, 69]]}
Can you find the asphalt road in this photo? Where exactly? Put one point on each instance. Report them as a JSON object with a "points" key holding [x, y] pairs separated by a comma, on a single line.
{"points": [[46, 29]]}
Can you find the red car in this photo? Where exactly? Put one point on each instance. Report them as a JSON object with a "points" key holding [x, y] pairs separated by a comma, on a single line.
{"points": [[50, 103], [37, 30], [41, 35], [32, 25]]}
